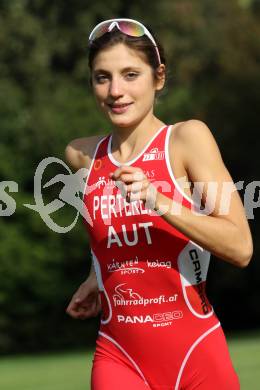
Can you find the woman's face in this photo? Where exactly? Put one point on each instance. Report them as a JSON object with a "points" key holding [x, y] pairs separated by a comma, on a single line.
{"points": [[123, 85]]}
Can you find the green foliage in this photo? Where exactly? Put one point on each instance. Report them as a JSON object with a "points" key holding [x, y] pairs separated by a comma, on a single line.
{"points": [[45, 101]]}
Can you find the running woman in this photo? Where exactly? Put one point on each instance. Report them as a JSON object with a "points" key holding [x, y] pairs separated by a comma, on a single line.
{"points": [[150, 236]]}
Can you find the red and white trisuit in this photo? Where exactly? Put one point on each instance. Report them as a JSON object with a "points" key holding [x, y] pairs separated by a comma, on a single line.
{"points": [[157, 330]]}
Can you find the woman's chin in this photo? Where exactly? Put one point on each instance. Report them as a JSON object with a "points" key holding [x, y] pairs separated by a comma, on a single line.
{"points": [[120, 121]]}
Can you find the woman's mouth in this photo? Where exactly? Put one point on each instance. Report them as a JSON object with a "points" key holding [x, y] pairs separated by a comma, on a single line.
{"points": [[119, 108]]}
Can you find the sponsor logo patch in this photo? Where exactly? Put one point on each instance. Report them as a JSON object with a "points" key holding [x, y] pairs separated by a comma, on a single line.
{"points": [[154, 154]]}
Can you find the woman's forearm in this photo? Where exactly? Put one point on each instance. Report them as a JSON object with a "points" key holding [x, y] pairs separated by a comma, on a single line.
{"points": [[92, 273], [215, 234]]}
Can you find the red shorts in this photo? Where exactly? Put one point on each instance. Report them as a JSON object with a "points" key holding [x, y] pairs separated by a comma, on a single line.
{"points": [[206, 366]]}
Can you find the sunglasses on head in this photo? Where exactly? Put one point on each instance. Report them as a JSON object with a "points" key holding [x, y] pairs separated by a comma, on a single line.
{"points": [[126, 26]]}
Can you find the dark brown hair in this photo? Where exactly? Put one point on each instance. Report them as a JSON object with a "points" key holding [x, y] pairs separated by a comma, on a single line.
{"points": [[141, 44]]}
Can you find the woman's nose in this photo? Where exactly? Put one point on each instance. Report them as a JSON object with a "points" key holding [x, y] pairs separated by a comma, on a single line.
{"points": [[115, 89]]}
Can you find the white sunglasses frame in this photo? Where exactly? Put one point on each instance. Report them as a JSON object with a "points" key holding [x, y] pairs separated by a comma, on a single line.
{"points": [[114, 22]]}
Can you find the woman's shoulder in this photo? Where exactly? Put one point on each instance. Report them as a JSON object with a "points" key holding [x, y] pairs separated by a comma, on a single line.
{"points": [[190, 129], [192, 135], [193, 148], [79, 152]]}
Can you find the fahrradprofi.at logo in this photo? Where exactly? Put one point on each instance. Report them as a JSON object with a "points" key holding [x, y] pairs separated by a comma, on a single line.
{"points": [[126, 296]]}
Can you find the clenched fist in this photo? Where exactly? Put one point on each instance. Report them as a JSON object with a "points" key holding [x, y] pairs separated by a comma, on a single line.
{"points": [[85, 302]]}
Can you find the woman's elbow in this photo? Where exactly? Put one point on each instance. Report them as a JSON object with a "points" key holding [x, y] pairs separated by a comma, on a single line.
{"points": [[245, 254]]}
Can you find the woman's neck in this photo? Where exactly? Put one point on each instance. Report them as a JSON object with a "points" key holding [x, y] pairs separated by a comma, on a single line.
{"points": [[128, 141]]}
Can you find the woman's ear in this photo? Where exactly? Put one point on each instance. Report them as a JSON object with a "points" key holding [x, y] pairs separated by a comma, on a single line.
{"points": [[160, 81], [160, 77]]}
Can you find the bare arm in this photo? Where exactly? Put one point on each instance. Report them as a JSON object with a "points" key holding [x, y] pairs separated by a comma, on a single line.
{"points": [[79, 152], [85, 302], [225, 235]]}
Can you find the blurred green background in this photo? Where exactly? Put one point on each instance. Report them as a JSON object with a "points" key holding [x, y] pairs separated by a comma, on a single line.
{"points": [[72, 370], [213, 54]]}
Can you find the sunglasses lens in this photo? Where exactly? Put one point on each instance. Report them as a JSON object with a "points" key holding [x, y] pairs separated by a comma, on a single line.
{"points": [[100, 31], [132, 29], [128, 28]]}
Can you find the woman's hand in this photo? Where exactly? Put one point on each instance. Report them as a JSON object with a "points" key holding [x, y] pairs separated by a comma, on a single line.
{"points": [[85, 302], [134, 185]]}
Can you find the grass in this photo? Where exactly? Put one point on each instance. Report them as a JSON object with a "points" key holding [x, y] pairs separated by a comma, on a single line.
{"points": [[67, 371], [245, 353], [71, 371]]}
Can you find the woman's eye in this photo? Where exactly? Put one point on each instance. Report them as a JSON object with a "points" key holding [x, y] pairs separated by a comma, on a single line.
{"points": [[101, 78], [131, 75]]}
